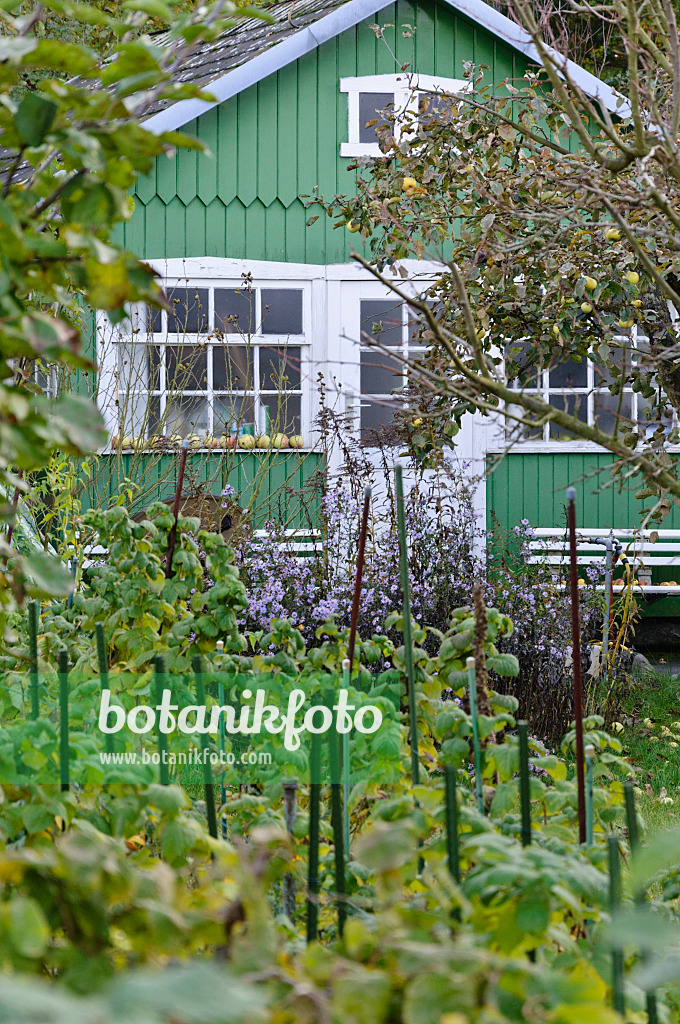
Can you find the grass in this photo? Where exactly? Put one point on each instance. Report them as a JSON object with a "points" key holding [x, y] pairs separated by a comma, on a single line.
{"points": [[653, 698]]}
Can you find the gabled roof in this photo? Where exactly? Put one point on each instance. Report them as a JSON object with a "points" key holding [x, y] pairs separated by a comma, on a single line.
{"points": [[255, 48]]}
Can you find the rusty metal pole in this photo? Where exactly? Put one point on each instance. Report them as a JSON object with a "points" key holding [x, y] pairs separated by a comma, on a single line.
{"points": [[15, 508], [576, 662], [357, 583], [175, 508]]}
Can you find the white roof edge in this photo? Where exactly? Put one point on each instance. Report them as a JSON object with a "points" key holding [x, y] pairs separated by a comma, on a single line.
{"points": [[349, 15]]}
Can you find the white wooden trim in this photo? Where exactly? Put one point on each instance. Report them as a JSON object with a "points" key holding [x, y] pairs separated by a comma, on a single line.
{"points": [[356, 149], [348, 16]]}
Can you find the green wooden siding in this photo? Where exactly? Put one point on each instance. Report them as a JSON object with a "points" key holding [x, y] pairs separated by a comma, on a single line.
{"points": [[281, 486], [280, 139], [532, 486]]}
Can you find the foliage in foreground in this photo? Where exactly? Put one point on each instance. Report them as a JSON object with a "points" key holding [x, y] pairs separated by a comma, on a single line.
{"points": [[117, 896]]}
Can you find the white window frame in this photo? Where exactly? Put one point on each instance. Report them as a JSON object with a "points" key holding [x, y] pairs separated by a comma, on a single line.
{"points": [[406, 89], [546, 443], [215, 273]]}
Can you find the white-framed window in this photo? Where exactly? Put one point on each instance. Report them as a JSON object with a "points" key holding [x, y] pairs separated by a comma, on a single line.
{"points": [[389, 323], [230, 356], [583, 389], [368, 95]]}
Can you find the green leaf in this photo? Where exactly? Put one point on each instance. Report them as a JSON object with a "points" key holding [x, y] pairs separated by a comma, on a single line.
{"points": [[28, 931], [503, 664], [504, 798], [455, 751], [48, 574], [34, 118], [155, 8], [533, 916], [177, 840]]}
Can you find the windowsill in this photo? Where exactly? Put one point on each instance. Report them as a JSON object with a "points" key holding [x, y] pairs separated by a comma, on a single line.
{"points": [[551, 447], [204, 451]]}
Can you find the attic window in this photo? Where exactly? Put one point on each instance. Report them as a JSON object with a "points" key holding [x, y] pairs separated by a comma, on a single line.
{"points": [[369, 95]]}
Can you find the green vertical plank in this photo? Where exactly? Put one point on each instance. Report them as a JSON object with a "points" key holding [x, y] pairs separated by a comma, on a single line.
{"points": [[145, 186], [561, 480], [444, 43], [296, 236], [306, 136], [275, 231], [187, 168], [166, 177], [176, 229], [155, 230], [227, 134], [216, 229], [245, 149], [464, 42], [207, 161], [424, 38], [286, 153], [406, 45], [135, 230], [254, 228], [267, 131], [365, 43], [389, 21], [196, 234], [235, 229], [330, 127]]}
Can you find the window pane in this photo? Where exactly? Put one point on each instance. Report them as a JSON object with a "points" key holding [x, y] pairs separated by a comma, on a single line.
{"points": [[234, 311], [619, 355], [189, 310], [151, 320], [382, 319], [232, 413], [281, 414], [370, 105], [138, 367], [281, 311], [434, 106], [186, 416], [279, 368], [138, 415], [233, 368], [575, 405], [377, 415], [187, 368], [652, 417], [379, 373], [606, 408], [570, 375], [523, 365]]}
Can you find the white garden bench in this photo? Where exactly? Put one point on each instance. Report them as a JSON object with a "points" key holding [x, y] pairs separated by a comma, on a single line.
{"points": [[300, 543], [644, 549]]}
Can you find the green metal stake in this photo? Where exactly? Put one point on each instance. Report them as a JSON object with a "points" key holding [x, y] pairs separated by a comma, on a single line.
{"points": [[408, 640], [314, 814], [162, 738], [336, 822], [590, 766], [451, 822], [33, 620], [222, 739], [103, 662], [64, 776], [614, 903], [345, 767], [524, 786], [472, 683], [640, 897], [208, 786]]}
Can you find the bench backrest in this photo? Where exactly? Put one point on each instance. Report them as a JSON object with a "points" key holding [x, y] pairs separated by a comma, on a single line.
{"points": [[301, 543], [646, 547]]}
